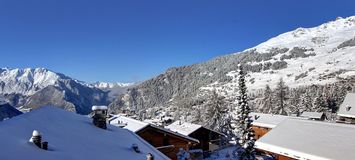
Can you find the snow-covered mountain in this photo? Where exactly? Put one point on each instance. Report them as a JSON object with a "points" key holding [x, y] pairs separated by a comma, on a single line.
{"points": [[110, 85], [27, 81], [32, 88], [302, 57]]}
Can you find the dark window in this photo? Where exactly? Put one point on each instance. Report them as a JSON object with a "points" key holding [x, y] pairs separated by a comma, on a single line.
{"points": [[166, 141]]}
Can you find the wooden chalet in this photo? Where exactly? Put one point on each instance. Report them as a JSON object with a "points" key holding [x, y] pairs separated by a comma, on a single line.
{"points": [[165, 140], [263, 123], [209, 139], [346, 112], [296, 138]]}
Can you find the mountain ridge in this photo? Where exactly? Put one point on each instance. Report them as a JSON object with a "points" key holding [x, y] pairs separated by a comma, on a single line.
{"points": [[35, 87]]}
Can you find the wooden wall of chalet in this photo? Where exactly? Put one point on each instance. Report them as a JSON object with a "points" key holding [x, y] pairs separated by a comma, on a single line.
{"points": [[159, 138], [205, 136], [260, 131], [277, 156]]}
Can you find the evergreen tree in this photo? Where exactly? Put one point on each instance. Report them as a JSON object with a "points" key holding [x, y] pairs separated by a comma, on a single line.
{"points": [[216, 111], [280, 98], [267, 100], [318, 102], [243, 120], [306, 102]]}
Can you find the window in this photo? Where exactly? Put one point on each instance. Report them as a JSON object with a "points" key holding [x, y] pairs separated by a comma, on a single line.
{"points": [[166, 141]]}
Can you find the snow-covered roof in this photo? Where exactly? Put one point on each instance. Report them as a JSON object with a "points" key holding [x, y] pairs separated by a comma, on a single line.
{"points": [[267, 120], [70, 136], [136, 126], [99, 107], [312, 115], [304, 139], [347, 108], [184, 128], [129, 123]]}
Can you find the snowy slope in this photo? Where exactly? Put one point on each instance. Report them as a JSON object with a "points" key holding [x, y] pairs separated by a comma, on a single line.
{"points": [[324, 41], [70, 136]]}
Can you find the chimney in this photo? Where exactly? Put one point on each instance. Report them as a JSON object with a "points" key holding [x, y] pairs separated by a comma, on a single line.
{"points": [[99, 116], [150, 156], [37, 140], [135, 148]]}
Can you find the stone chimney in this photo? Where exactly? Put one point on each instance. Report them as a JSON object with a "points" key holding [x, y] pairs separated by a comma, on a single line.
{"points": [[99, 116], [37, 140], [150, 156]]}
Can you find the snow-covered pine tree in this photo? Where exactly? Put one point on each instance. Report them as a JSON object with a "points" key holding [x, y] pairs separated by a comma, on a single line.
{"points": [[216, 110], [267, 100], [244, 121], [280, 98], [318, 104], [306, 102]]}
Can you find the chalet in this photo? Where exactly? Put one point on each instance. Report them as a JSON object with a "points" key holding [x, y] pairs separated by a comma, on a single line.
{"points": [[346, 112], [165, 140], [56, 134], [304, 139], [209, 139], [263, 123], [318, 116]]}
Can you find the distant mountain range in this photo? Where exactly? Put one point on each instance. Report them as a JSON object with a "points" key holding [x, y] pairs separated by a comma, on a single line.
{"points": [[35, 87]]}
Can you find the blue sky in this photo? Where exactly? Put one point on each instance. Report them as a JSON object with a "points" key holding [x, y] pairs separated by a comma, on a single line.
{"points": [[131, 40]]}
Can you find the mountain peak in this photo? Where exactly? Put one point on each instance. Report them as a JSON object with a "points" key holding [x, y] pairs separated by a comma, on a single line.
{"points": [[315, 37]]}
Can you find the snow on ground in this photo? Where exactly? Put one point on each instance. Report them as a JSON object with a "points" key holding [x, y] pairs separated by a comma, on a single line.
{"points": [[70, 136]]}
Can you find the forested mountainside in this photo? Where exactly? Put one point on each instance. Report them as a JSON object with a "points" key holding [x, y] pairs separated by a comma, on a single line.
{"points": [[310, 61]]}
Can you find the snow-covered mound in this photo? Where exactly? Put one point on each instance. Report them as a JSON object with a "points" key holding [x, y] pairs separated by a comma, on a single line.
{"points": [[7, 111], [70, 137]]}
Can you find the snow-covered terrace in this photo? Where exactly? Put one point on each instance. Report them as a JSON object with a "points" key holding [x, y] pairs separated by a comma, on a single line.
{"points": [[304, 139], [70, 136]]}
